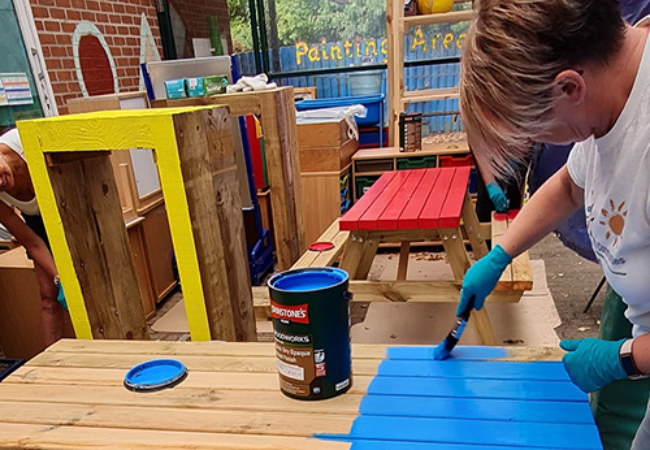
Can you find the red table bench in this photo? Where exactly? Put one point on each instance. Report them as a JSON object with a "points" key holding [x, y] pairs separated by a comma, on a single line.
{"points": [[415, 205]]}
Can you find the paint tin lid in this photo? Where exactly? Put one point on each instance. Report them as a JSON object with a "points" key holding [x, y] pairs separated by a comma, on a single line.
{"points": [[155, 375], [321, 246]]}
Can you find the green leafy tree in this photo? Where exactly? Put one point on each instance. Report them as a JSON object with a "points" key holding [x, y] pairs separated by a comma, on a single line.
{"points": [[313, 20]]}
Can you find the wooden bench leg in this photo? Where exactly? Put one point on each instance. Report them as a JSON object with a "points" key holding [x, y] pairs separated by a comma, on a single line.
{"points": [[452, 240], [359, 254], [483, 327], [403, 265], [473, 229]]}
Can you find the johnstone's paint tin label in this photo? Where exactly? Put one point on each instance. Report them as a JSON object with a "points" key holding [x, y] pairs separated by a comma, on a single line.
{"points": [[296, 364], [287, 314]]}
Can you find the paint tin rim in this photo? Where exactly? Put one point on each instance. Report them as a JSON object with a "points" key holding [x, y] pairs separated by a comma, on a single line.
{"points": [[275, 278]]}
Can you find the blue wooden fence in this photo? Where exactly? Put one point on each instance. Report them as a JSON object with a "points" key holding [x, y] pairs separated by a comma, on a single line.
{"points": [[370, 51]]}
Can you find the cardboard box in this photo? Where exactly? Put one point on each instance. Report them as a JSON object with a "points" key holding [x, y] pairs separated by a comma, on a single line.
{"points": [[195, 87], [215, 84], [175, 89]]}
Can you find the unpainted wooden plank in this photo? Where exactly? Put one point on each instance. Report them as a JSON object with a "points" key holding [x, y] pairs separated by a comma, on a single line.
{"points": [[260, 422], [225, 184], [402, 266], [499, 227], [204, 363], [394, 291], [307, 259], [39, 437], [430, 216], [354, 252], [40, 378], [367, 257], [482, 325], [411, 215], [522, 272], [98, 244], [472, 228], [194, 155], [452, 241], [283, 167]]}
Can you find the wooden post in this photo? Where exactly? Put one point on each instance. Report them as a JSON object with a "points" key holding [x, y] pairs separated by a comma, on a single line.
{"points": [[88, 202], [281, 152], [277, 113], [209, 173], [229, 206]]}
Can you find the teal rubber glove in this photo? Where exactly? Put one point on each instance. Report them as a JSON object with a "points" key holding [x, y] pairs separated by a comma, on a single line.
{"points": [[498, 197], [593, 363], [61, 298], [482, 278]]}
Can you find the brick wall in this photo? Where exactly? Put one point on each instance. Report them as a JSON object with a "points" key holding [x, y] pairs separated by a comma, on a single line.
{"points": [[195, 13], [119, 23]]}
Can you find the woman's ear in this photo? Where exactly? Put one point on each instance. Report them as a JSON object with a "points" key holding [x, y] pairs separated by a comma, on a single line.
{"points": [[570, 86]]}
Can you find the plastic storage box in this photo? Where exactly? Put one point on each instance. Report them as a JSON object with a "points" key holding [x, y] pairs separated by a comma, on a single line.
{"points": [[373, 103]]}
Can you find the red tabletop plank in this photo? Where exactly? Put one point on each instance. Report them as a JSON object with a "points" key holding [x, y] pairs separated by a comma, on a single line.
{"points": [[453, 207], [392, 213], [411, 214], [370, 219], [429, 218], [350, 221]]}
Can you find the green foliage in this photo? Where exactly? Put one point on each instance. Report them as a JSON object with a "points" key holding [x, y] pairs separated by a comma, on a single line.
{"points": [[312, 21]]}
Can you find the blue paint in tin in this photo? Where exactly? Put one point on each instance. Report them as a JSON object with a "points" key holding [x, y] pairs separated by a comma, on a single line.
{"points": [[308, 280]]}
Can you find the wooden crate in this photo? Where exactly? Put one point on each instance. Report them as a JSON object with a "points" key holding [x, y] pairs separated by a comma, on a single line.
{"points": [[321, 201]]}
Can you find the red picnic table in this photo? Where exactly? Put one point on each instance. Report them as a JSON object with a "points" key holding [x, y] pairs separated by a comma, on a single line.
{"points": [[417, 205]]}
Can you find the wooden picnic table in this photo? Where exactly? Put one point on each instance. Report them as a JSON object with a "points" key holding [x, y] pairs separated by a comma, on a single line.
{"points": [[71, 396], [415, 205]]}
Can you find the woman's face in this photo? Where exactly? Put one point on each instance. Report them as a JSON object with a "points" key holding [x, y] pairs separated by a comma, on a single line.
{"points": [[6, 174]]}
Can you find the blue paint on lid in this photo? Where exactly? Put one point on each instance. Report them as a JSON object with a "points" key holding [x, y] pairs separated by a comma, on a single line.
{"points": [[308, 280], [155, 374]]}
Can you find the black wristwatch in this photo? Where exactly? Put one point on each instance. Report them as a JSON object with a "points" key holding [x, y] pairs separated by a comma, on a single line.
{"points": [[627, 361]]}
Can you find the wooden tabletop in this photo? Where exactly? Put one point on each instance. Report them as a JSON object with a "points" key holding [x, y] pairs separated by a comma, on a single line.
{"points": [[71, 397], [411, 199]]}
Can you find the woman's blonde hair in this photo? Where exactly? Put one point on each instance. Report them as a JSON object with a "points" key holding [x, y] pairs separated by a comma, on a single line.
{"points": [[514, 51]]}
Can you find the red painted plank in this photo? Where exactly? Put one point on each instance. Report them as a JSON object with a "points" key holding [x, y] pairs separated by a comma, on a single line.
{"points": [[392, 213], [370, 219], [429, 218], [453, 207], [350, 221], [411, 214]]}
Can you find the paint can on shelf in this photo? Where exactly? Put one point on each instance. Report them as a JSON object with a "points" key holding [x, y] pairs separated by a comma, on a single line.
{"points": [[410, 132], [311, 327]]}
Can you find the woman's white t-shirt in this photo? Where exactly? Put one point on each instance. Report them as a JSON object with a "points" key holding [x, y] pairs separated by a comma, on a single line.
{"points": [[614, 172], [12, 140]]}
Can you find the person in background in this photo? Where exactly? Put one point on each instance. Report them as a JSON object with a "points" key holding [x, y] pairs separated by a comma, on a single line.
{"points": [[17, 193], [562, 71]]}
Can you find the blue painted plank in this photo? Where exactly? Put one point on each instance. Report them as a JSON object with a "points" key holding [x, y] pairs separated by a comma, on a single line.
{"points": [[477, 409], [393, 445], [497, 389], [464, 353], [478, 432], [543, 371]]}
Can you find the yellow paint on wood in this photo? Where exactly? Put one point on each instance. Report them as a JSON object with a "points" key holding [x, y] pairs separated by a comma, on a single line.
{"points": [[117, 130], [50, 212]]}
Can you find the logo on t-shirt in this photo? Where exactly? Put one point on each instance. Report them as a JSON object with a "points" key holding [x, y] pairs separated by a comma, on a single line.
{"points": [[614, 220]]}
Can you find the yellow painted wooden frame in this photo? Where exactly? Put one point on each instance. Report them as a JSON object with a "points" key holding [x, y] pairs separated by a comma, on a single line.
{"points": [[117, 130]]}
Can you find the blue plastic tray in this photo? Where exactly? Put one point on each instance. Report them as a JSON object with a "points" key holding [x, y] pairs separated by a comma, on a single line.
{"points": [[372, 102]]}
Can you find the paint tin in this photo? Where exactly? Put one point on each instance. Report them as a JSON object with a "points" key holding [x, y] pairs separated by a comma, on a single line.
{"points": [[410, 132], [311, 327]]}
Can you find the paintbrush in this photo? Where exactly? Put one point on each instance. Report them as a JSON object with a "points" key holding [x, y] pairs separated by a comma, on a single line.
{"points": [[443, 350]]}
